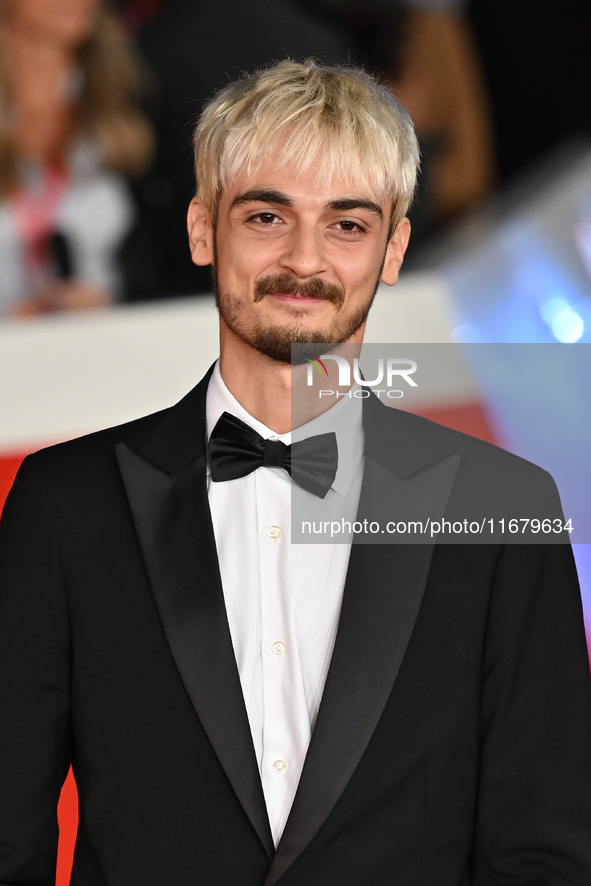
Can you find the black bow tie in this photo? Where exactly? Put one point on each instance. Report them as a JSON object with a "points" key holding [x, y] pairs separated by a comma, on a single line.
{"points": [[235, 450]]}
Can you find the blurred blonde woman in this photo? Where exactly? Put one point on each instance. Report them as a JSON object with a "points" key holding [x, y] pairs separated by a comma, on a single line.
{"points": [[71, 133]]}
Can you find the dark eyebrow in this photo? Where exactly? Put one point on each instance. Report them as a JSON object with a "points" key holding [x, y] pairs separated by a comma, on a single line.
{"points": [[270, 195], [347, 203], [263, 195]]}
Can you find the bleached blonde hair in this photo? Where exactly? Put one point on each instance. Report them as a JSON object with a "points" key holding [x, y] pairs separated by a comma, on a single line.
{"points": [[301, 112]]}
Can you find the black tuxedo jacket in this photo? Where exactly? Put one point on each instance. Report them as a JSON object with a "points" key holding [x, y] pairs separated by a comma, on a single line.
{"points": [[453, 741]]}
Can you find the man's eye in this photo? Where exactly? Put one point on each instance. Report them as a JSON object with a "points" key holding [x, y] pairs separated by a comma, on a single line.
{"points": [[265, 218], [350, 227]]}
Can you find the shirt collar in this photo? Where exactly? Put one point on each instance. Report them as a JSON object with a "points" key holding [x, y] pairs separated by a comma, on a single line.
{"points": [[344, 418]]}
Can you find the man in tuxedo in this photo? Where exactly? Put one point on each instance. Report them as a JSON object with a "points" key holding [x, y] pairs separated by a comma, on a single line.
{"points": [[241, 710]]}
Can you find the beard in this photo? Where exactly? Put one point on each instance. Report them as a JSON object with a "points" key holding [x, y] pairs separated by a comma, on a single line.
{"points": [[275, 341]]}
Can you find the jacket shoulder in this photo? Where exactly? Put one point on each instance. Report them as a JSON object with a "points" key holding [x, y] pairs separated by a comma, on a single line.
{"points": [[95, 446], [473, 448]]}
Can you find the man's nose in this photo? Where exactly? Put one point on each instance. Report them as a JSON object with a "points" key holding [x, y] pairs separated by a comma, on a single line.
{"points": [[303, 252]]}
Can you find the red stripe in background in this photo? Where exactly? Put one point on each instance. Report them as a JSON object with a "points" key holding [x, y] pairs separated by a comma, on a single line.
{"points": [[9, 465], [469, 419], [67, 817]]}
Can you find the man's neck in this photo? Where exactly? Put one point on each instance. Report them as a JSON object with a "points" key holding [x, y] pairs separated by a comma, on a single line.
{"points": [[266, 389], [261, 386]]}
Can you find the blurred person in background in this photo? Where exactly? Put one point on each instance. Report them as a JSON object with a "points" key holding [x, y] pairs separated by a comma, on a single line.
{"points": [[440, 83], [70, 133]]}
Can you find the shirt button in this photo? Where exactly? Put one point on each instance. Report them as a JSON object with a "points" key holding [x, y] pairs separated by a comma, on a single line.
{"points": [[275, 532], [279, 766], [278, 647]]}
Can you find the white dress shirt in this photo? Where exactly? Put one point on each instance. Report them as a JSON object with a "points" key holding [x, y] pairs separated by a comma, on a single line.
{"points": [[283, 601]]}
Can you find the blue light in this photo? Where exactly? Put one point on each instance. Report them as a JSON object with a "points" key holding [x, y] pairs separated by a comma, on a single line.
{"points": [[567, 326]]}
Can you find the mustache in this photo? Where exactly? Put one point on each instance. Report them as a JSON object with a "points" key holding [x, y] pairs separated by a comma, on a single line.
{"points": [[285, 284]]}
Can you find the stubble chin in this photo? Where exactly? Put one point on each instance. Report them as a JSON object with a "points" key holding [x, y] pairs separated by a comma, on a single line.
{"points": [[274, 341]]}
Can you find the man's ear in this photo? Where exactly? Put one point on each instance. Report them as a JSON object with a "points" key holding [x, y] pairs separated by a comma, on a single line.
{"points": [[200, 228], [395, 252]]}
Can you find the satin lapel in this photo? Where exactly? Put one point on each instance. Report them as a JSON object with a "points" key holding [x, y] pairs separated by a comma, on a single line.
{"points": [[382, 596], [173, 522]]}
